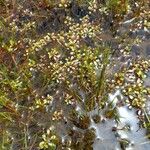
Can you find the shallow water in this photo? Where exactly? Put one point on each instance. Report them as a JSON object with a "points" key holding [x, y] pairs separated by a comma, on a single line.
{"points": [[136, 135], [106, 139]]}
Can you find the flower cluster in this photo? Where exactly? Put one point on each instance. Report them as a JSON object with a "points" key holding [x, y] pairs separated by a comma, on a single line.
{"points": [[131, 81], [50, 140]]}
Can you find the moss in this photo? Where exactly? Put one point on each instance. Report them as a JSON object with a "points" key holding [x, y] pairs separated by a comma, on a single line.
{"points": [[96, 118], [54, 58]]}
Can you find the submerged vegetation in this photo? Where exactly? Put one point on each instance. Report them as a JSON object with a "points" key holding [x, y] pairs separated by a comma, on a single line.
{"points": [[74, 74]]}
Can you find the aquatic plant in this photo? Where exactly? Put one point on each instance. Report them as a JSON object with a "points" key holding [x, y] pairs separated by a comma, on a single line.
{"points": [[57, 71]]}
